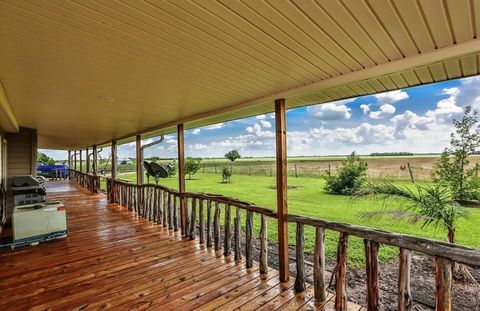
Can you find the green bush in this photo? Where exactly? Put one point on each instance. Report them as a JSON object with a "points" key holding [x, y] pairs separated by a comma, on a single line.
{"points": [[349, 178]]}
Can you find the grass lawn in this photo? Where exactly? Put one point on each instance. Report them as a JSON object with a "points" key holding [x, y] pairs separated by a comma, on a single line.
{"points": [[309, 199]]}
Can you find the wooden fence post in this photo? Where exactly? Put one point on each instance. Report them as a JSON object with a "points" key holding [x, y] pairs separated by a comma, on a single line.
{"points": [[282, 209]]}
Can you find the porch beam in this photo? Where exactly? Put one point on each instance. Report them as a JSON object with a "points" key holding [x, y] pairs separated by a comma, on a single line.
{"points": [[181, 177], [138, 139], [282, 207]]}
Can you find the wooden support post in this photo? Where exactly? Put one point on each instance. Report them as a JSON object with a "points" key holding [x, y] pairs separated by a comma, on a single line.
{"points": [[181, 178], [404, 294], [81, 164], [114, 159], [87, 161], [75, 160], [69, 161], [282, 209], [319, 265], [443, 284], [138, 143], [95, 160], [300, 258], [373, 293], [340, 274]]}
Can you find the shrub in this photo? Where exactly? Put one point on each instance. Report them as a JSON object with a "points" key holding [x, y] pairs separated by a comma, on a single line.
{"points": [[226, 174], [349, 178], [192, 165]]}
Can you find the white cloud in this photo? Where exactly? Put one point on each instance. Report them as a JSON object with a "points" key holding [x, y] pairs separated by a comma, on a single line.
{"points": [[391, 97], [214, 126], [331, 111], [365, 108], [261, 117], [364, 133], [266, 124], [385, 110], [196, 131], [200, 147], [447, 107]]}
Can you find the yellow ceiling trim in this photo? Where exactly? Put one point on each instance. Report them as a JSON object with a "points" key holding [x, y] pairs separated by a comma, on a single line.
{"points": [[8, 121]]}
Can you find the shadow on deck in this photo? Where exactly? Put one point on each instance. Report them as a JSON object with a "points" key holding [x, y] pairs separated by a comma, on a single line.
{"points": [[113, 259]]}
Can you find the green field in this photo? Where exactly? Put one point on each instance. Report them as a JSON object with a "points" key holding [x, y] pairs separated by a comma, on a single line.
{"points": [[309, 199]]}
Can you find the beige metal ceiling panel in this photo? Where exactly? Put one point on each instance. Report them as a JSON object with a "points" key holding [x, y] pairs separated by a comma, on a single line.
{"points": [[438, 72], [411, 16], [388, 16], [399, 81], [469, 65], [84, 72], [365, 16], [453, 68], [460, 15], [437, 21]]}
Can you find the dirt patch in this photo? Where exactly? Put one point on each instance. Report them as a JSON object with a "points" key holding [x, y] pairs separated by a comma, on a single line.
{"points": [[470, 204], [289, 187]]}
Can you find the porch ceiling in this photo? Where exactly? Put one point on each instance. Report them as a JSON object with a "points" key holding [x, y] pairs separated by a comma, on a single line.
{"points": [[202, 62]]}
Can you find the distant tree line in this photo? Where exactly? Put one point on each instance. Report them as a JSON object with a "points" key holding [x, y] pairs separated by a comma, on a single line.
{"points": [[391, 154]]}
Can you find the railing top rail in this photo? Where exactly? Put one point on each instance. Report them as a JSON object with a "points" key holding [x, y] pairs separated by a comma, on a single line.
{"points": [[454, 252]]}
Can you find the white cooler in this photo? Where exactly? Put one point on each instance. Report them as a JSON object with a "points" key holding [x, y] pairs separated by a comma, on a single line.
{"points": [[38, 221]]}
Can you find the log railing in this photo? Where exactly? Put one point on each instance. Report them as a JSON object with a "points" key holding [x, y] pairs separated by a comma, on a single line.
{"points": [[91, 182], [445, 256], [211, 218]]}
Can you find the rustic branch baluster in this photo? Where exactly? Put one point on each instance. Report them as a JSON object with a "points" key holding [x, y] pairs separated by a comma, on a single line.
{"points": [[216, 227], [249, 239], [263, 245], [175, 212], [209, 223], [300, 257], [340, 273], [319, 265], [227, 236], [371, 255], [193, 220], [202, 221], [237, 235], [443, 284], [404, 294]]}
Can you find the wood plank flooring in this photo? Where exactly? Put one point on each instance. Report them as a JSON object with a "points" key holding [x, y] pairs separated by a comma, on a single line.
{"points": [[115, 260]]}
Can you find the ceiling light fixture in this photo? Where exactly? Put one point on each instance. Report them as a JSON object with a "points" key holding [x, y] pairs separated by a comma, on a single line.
{"points": [[107, 99]]}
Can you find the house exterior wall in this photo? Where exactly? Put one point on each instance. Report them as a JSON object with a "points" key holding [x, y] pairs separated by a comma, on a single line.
{"points": [[3, 178], [21, 159]]}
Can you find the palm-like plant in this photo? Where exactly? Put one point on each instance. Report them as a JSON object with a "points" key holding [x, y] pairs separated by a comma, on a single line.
{"points": [[429, 205]]}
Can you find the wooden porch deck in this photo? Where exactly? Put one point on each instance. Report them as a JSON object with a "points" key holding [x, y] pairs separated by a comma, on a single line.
{"points": [[113, 259]]}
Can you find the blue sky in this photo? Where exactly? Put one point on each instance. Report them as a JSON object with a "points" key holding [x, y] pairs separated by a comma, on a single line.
{"points": [[414, 120]]}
